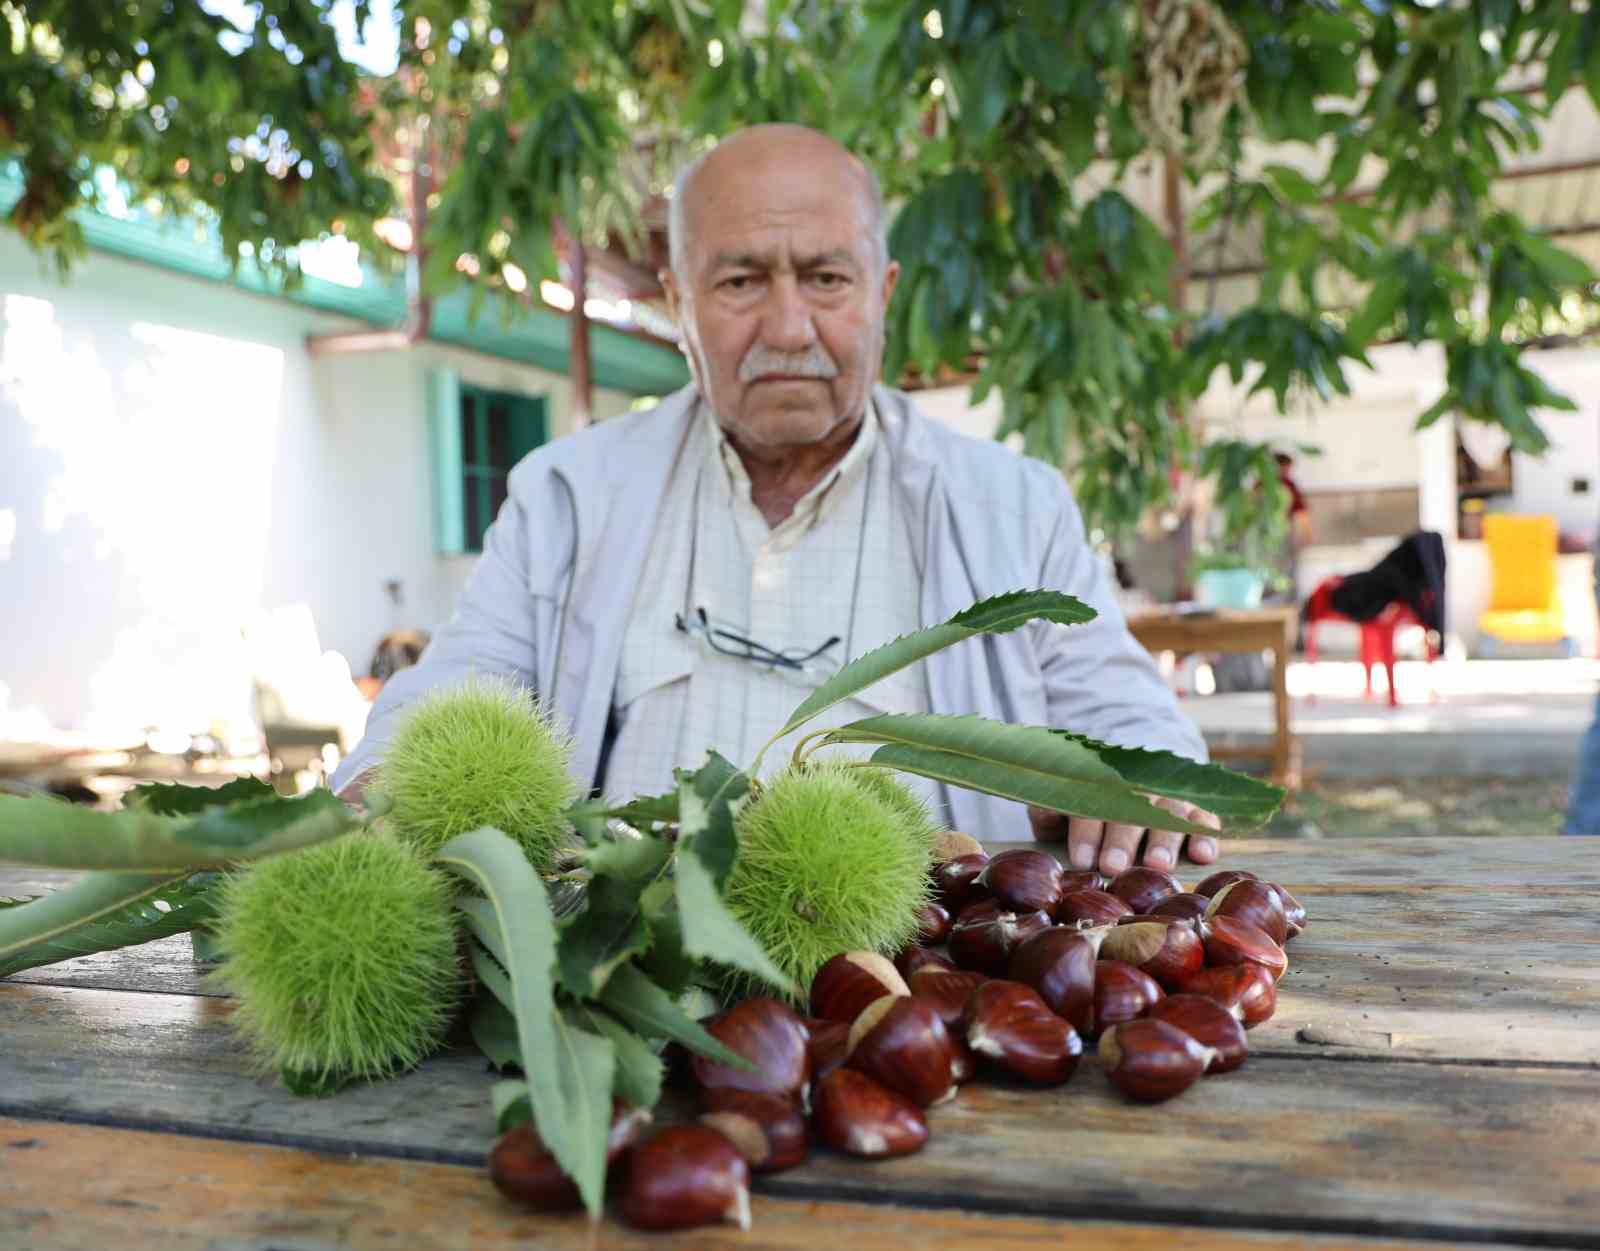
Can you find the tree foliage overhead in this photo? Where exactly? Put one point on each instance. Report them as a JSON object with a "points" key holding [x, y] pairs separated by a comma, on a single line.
{"points": [[1006, 134]]}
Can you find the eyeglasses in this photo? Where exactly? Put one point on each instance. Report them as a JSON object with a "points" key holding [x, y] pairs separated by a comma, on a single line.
{"points": [[792, 661]]}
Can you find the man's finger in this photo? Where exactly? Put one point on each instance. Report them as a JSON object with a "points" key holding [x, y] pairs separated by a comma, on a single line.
{"points": [[1118, 847], [1048, 826], [1083, 841], [1161, 849]]}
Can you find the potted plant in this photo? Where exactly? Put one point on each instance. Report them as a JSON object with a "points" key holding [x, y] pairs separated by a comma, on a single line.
{"points": [[1236, 568]]}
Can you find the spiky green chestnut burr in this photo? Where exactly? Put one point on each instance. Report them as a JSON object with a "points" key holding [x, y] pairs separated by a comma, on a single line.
{"points": [[343, 957], [480, 753], [912, 808], [826, 864]]}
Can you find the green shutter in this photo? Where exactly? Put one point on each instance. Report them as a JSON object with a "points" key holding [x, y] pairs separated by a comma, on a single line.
{"points": [[529, 424], [444, 428]]}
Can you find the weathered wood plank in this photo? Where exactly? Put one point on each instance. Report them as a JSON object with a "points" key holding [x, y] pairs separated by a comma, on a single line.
{"points": [[1316, 1145], [85, 1188]]}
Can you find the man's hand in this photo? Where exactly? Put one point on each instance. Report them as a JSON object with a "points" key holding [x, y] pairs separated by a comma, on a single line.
{"points": [[1115, 846]]}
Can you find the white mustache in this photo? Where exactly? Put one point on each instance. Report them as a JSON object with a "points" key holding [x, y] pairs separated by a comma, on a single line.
{"points": [[814, 362]]}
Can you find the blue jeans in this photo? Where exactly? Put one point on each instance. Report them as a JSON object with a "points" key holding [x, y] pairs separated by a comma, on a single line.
{"points": [[1583, 806]]}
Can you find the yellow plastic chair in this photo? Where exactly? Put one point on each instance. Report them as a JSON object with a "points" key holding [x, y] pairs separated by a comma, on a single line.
{"points": [[1524, 606]]}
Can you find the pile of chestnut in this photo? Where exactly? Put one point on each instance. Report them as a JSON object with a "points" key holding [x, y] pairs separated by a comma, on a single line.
{"points": [[1035, 959]]}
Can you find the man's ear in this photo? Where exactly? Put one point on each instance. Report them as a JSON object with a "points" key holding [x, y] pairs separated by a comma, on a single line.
{"points": [[891, 275], [669, 285]]}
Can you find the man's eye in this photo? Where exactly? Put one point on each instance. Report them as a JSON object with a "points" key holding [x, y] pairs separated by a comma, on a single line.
{"points": [[828, 281], [737, 282]]}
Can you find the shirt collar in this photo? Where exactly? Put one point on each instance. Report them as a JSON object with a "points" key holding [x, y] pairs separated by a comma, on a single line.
{"points": [[810, 507]]}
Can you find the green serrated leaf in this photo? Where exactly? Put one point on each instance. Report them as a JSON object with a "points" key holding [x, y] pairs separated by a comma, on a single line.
{"points": [[711, 932], [569, 1072], [92, 898], [644, 1007], [717, 785], [1240, 801], [996, 615], [174, 799], [50, 833], [640, 1072], [1063, 772], [628, 859], [494, 1030], [608, 930], [183, 904]]}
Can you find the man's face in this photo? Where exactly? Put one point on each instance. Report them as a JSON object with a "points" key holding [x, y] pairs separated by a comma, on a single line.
{"points": [[779, 293]]}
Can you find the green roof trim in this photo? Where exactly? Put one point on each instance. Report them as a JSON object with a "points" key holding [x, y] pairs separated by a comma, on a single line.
{"points": [[533, 336]]}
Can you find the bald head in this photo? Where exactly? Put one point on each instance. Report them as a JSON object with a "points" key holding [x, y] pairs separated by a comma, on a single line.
{"points": [[758, 152]]}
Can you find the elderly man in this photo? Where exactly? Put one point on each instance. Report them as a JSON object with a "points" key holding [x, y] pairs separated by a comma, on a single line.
{"points": [[674, 580]]}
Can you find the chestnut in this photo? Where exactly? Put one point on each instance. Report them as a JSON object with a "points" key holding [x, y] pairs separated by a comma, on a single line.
{"points": [[1121, 993], [1083, 879], [917, 957], [953, 843], [1009, 1023], [522, 1167], [985, 935], [1184, 906], [1060, 964], [827, 1046], [1023, 880], [1255, 901], [1231, 941], [1142, 887], [1208, 1023], [770, 1035], [902, 1043], [768, 1130], [1248, 991], [1085, 908], [850, 981], [1294, 913], [933, 924], [1165, 949], [686, 1175], [955, 881], [1209, 886], [947, 991], [1151, 1060], [855, 1114]]}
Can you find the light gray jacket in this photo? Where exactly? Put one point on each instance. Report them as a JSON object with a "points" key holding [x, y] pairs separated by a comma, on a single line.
{"points": [[549, 600]]}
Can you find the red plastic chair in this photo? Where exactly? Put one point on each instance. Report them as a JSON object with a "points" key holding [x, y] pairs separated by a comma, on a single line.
{"points": [[1377, 635]]}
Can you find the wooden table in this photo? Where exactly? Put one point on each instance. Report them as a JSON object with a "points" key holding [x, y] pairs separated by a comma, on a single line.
{"points": [[1235, 630], [1432, 1076]]}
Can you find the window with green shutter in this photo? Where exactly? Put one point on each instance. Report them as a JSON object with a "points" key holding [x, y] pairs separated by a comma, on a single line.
{"points": [[478, 435]]}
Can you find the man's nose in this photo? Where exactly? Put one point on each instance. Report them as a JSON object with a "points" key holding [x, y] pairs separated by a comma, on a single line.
{"points": [[788, 326]]}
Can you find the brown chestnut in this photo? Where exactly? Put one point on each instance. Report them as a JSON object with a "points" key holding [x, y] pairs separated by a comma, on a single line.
{"points": [[1008, 1023], [686, 1175], [1167, 950], [902, 1042], [768, 1130], [850, 981], [955, 881], [1085, 908], [522, 1168], [933, 924], [1248, 991], [855, 1114], [917, 957], [985, 935], [770, 1035], [1142, 887], [1255, 901], [1208, 1023], [1023, 880], [1294, 913], [1184, 906], [953, 843], [828, 1041], [1151, 1060], [1121, 993], [1231, 941], [1209, 886], [1083, 879], [1060, 964], [947, 991]]}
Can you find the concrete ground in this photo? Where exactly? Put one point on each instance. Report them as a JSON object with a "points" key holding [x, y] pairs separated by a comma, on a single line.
{"points": [[1472, 718]]}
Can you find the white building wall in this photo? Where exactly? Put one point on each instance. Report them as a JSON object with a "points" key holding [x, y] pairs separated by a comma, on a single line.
{"points": [[173, 462]]}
